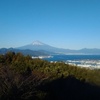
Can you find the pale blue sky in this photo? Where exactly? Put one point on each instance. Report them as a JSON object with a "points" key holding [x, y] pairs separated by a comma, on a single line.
{"points": [[71, 24]]}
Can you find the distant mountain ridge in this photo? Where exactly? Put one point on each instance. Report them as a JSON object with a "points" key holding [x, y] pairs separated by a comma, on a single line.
{"points": [[24, 52], [37, 45], [38, 48]]}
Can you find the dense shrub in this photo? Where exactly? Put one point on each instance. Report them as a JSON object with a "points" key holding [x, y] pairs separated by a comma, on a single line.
{"points": [[22, 77]]}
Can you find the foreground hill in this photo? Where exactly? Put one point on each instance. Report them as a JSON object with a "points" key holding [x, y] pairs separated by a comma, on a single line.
{"points": [[24, 78]]}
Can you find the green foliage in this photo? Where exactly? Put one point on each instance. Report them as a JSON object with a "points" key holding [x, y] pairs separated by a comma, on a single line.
{"points": [[20, 76]]}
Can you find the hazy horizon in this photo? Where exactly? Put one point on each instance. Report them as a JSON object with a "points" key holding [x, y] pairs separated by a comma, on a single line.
{"points": [[47, 44], [69, 24]]}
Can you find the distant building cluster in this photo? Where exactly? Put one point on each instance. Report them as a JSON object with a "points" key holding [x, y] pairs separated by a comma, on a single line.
{"points": [[41, 57]]}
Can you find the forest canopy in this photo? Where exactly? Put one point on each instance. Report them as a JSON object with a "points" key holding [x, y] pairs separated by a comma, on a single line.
{"points": [[22, 77]]}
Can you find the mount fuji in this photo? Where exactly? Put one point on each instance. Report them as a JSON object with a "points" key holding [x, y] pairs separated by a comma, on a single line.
{"points": [[39, 46]]}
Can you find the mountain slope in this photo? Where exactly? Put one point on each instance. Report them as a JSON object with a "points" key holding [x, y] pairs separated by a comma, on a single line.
{"points": [[24, 52], [36, 45]]}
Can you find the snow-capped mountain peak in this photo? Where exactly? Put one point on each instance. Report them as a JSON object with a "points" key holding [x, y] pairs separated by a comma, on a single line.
{"points": [[37, 43]]}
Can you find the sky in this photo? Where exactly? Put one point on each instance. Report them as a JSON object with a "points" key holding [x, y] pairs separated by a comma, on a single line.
{"points": [[70, 24]]}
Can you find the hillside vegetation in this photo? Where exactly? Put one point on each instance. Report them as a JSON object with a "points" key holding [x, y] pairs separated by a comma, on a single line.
{"points": [[24, 78]]}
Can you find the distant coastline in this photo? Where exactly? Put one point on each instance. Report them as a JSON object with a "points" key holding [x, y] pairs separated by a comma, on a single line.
{"points": [[87, 61]]}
